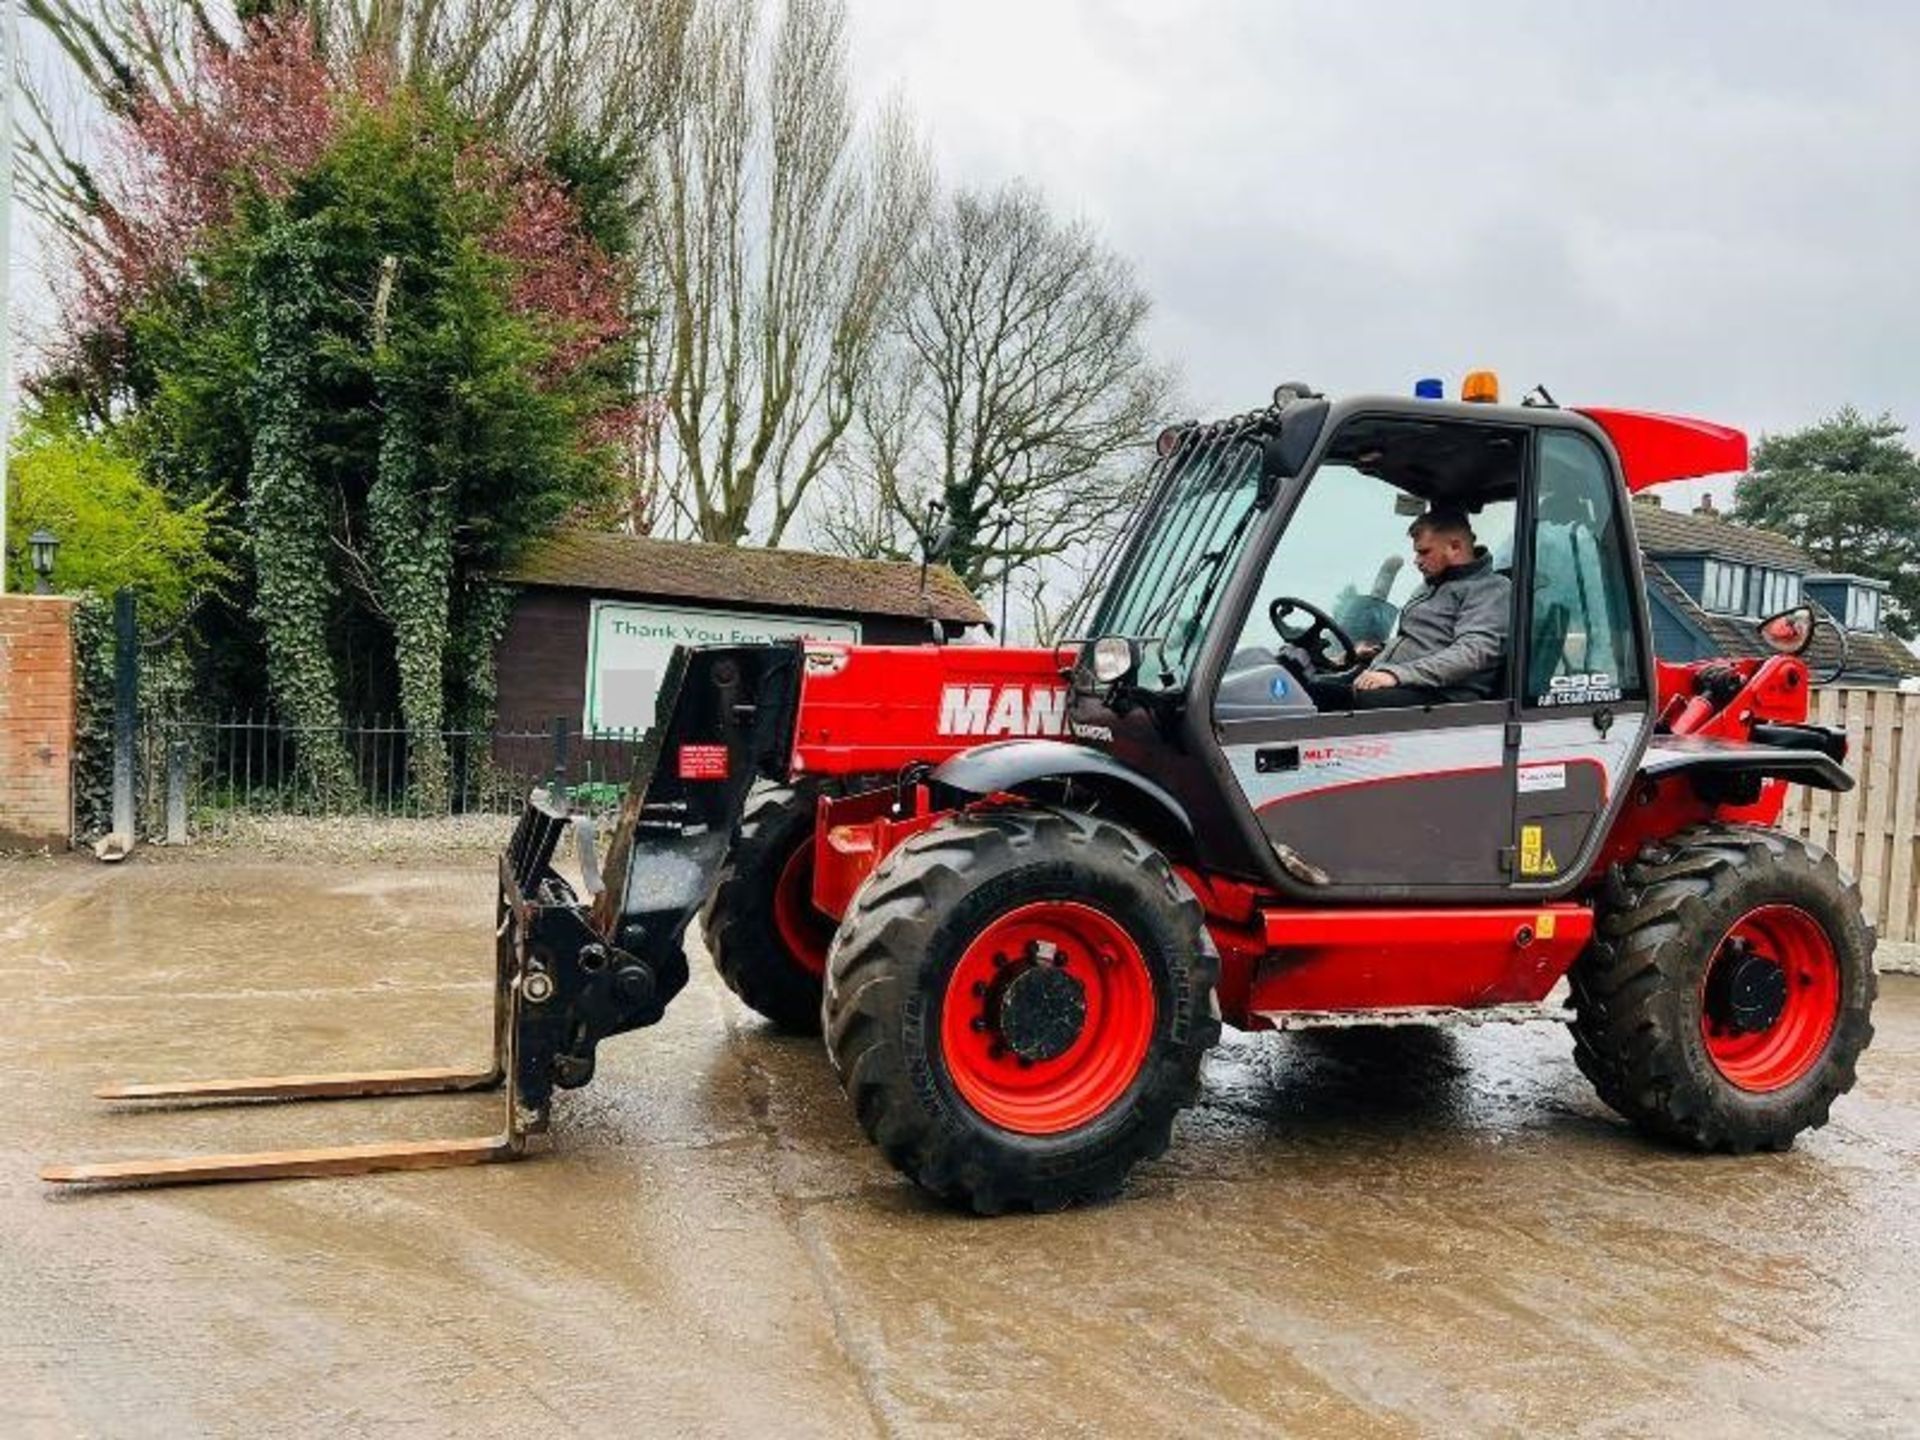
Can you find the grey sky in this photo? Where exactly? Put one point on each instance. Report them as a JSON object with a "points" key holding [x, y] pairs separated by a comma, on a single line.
{"points": [[1710, 209]]}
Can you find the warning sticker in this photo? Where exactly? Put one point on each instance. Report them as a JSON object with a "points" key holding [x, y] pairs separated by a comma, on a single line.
{"points": [[1535, 857], [703, 762], [1537, 778]]}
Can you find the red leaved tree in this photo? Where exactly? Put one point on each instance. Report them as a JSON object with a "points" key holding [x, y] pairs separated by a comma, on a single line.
{"points": [[250, 117]]}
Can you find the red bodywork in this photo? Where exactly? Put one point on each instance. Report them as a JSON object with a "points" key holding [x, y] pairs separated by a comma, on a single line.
{"points": [[872, 709], [875, 710], [1654, 449], [1775, 690]]}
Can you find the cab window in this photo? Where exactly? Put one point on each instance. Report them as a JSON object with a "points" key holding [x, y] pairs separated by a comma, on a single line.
{"points": [[1583, 648], [1348, 551]]}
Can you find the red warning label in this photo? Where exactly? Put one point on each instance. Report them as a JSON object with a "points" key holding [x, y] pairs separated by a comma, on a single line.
{"points": [[703, 762]]}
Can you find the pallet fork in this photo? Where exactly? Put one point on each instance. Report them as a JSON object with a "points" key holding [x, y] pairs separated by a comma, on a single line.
{"points": [[567, 972]]}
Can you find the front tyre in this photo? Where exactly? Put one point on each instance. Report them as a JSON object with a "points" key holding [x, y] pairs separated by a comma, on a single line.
{"points": [[1729, 994], [767, 940], [1017, 1004]]}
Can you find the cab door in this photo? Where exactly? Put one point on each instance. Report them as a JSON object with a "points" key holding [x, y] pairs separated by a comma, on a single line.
{"points": [[1584, 707], [1381, 803]]}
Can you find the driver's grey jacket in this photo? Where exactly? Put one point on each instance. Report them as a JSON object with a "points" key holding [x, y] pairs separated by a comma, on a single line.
{"points": [[1453, 631]]}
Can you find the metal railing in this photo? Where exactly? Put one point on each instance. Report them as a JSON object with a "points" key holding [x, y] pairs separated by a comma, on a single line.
{"points": [[196, 775]]}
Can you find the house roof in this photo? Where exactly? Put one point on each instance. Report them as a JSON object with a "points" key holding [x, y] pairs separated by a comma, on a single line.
{"points": [[1841, 577], [1680, 532], [1739, 636], [796, 580], [1664, 532]]}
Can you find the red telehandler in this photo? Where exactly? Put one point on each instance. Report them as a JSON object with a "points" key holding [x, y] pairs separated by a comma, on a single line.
{"points": [[1020, 890]]}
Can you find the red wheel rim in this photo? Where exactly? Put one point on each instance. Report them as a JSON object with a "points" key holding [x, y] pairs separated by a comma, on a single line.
{"points": [[804, 931], [1775, 1055], [1076, 1086]]}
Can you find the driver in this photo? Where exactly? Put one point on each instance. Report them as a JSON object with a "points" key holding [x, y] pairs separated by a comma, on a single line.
{"points": [[1451, 634]]}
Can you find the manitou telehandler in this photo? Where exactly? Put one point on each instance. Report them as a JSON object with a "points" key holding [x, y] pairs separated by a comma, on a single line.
{"points": [[1020, 890]]}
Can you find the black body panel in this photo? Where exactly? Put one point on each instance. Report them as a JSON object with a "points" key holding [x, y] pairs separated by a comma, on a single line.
{"points": [[1671, 754], [1009, 764], [1446, 829]]}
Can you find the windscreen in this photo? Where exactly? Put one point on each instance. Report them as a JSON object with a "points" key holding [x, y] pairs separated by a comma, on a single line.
{"points": [[1185, 544]]}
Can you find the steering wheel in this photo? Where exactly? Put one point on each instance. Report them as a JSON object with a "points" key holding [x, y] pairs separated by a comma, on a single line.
{"points": [[1315, 638]]}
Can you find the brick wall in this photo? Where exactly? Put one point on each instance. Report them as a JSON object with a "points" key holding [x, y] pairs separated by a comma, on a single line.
{"points": [[36, 721]]}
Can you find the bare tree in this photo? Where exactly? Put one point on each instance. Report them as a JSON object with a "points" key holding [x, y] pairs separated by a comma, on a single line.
{"points": [[539, 69], [1018, 391], [780, 235]]}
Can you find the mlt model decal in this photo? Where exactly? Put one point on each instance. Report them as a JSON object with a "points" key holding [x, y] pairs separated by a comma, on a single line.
{"points": [[1003, 710], [1342, 753]]}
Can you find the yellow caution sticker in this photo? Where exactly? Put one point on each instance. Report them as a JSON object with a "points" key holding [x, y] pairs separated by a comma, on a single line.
{"points": [[1535, 857], [1543, 926]]}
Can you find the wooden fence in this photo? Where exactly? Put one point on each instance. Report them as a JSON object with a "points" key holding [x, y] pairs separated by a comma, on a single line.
{"points": [[1873, 829]]}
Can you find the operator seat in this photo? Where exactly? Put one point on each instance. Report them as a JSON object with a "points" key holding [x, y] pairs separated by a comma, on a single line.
{"points": [[1567, 583]]}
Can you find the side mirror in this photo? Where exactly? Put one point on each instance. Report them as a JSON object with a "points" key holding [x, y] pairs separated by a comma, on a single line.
{"points": [[1790, 632], [1288, 442]]}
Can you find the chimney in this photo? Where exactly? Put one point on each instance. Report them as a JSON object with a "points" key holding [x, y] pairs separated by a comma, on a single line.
{"points": [[1647, 498], [1705, 507]]}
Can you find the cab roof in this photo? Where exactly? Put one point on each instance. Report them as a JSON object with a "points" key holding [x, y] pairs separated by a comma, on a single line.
{"points": [[1653, 448]]}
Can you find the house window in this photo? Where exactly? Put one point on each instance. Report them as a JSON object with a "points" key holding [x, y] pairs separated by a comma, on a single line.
{"points": [[1774, 591], [1863, 608], [1726, 587]]}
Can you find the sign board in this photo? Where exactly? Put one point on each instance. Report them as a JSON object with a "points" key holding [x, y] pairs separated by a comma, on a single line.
{"points": [[628, 645]]}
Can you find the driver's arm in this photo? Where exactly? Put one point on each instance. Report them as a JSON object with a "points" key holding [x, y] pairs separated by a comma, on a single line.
{"points": [[1479, 638]]}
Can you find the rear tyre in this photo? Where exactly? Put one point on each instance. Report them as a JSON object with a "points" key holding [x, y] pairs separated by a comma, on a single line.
{"points": [[1017, 1004], [1729, 992], [767, 940]]}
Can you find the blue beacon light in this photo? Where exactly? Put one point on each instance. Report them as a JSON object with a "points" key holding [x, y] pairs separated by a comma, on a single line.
{"points": [[1429, 389]]}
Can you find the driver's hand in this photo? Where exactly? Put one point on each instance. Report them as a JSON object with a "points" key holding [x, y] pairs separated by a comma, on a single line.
{"points": [[1376, 680], [1367, 649]]}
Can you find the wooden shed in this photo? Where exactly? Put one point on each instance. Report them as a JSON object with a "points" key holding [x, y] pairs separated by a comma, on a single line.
{"points": [[597, 614]]}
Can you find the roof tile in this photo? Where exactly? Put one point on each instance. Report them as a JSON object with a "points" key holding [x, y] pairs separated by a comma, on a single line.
{"points": [[1679, 532]]}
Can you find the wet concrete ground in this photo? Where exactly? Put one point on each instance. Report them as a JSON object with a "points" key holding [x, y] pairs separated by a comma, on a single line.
{"points": [[1426, 1235]]}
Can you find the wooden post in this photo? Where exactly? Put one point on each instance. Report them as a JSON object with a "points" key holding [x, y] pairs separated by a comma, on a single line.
{"points": [[1846, 824], [1876, 798], [1906, 811]]}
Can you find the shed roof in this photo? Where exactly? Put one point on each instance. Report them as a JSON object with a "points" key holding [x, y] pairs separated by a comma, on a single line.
{"points": [[798, 580]]}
